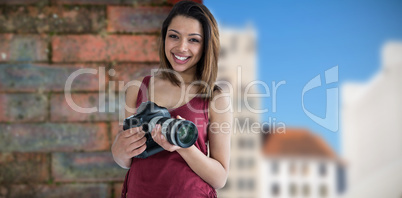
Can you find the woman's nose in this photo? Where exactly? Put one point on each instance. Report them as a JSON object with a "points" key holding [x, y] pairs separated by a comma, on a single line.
{"points": [[183, 46]]}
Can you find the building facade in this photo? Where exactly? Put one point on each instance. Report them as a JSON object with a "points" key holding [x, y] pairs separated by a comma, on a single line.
{"points": [[298, 163], [237, 72], [372, 130]]}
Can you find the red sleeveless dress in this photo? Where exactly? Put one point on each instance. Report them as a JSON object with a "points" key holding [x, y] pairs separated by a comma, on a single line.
{"points": [[166, 174]]}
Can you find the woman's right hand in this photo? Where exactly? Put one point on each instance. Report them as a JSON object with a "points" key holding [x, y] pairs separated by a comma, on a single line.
{"points": [[128, 144]]}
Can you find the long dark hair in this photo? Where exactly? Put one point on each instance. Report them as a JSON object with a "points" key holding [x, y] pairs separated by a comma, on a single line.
{"points": [[207, 66]]}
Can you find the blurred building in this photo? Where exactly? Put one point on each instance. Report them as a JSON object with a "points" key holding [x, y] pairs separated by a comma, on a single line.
{"points": [[237, 72], [298, 163], [372, 130]]}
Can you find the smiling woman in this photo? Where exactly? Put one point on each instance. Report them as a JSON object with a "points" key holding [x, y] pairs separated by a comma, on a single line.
{"points": [[193, 30], [189, 50]]}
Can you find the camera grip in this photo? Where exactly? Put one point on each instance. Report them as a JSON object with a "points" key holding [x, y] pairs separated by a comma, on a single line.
{"points": [[149, 152]]}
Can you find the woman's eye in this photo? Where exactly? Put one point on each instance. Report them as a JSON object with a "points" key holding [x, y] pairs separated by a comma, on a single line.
{"points": [[194, 40], [173, 36]]}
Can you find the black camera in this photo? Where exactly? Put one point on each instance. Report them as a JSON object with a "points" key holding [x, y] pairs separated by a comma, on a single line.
{"points": [[178, 132]]}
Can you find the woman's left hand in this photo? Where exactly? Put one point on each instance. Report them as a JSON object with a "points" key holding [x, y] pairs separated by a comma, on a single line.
{"points": [[161, 140]]}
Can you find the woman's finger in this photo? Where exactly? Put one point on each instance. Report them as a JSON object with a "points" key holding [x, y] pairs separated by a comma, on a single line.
{"points": [[179, 117], [153, 133]]}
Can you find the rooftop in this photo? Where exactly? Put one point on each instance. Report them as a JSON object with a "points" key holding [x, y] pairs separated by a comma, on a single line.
{"points": [[297, 142]]}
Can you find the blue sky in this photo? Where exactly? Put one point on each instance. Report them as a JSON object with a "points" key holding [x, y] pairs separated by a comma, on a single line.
{"points": [[298, 40]]}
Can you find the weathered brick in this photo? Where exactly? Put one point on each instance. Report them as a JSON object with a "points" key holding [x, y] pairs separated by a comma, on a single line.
{"points": [[11, 190], [22, 47], [60, 109], [125, 73], [49, 137], [136, 19], [94, 166], [133, 48], [153, 2], [31, 19], [86, 2], [23, 107], [115, 127], [97, 190], [25, 2], [22, 19], [28, 77], [144, 2], [118, 187], [23, 168], [176, 1], [77, 20]]}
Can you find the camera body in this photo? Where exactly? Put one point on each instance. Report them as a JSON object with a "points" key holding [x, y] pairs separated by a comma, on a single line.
{"points": [[178, 132]]}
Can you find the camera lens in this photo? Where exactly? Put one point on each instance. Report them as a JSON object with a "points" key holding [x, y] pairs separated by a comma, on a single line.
{"points": [[186, 134], [178, 132]]}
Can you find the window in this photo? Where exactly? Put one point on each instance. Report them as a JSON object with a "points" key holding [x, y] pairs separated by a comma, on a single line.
{"points": [[292, 168], [323, 191], [241, 163], [306, 190], [275, 189], [275, 167], [322, 170], [305, 169], [251, 184], [246, 143], [292, 190], [241, 184], [245, 163], [245, 184]]}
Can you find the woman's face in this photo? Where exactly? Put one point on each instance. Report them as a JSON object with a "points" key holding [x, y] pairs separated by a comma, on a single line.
{"points": [[184, 44]]}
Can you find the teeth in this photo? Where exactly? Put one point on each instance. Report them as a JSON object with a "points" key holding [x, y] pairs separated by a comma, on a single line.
{"points": [[180, 58]]}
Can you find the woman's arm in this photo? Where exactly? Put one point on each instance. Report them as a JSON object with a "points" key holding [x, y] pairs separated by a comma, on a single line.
{"points": [[131, 142], [214, 169]]}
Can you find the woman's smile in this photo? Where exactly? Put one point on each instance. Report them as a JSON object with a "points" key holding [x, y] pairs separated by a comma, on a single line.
{"points": [[181, 59]]}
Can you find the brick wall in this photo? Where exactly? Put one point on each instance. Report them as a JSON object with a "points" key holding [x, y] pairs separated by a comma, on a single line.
{"points": [[47, 149]]}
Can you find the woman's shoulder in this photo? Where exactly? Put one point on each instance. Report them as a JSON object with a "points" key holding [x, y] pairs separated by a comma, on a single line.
{"points": [[160, 80], [134, 85], [221, 101]]}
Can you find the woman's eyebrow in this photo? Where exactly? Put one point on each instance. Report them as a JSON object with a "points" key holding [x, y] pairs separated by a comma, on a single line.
{"points": [[174, 31], [195, 34], [192, 34]]}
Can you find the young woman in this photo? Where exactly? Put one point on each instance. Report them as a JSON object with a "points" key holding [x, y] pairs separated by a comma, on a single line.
{"points": [[184, 84]]}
